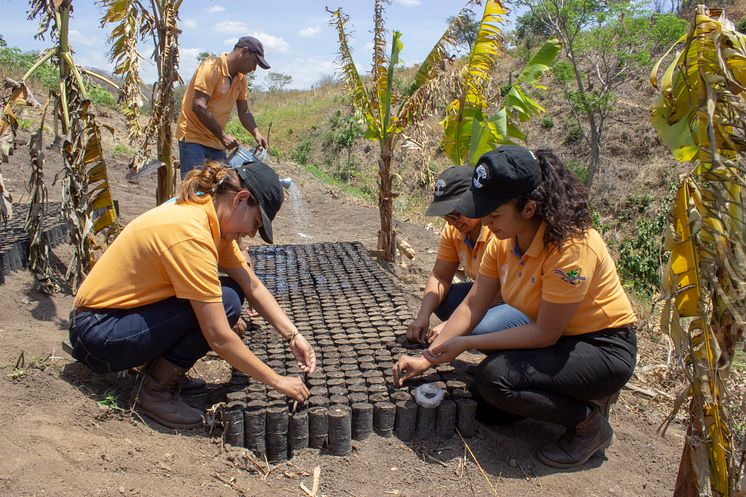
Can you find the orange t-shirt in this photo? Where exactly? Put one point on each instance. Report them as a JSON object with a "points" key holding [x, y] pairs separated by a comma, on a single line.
{"points": [[453, 248], [171, 250], [211, 78], [583, 271]]}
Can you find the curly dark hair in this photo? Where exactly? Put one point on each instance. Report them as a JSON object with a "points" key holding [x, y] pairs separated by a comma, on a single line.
{"points": [[562, 201]]}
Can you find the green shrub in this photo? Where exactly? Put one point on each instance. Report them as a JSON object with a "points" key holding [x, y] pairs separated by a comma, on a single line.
{"points": [[16, 62], [100, 96], [574, 132], [563, 71], [547, 122], [302, 153], [579, 169], [24, 124], [121, 150], [641, 256], [741, 25]]}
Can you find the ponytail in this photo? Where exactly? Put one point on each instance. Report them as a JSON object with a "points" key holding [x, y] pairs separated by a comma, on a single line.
{"points": [[562, 201], [200, 184]]}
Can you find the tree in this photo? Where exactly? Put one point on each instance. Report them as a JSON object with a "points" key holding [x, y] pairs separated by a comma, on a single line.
{"points": [[468, 131], [203, 56], [700, 115], [88, 205], [606, 45], [386, 110], [133, 21], [276, 81], [466, 27]]}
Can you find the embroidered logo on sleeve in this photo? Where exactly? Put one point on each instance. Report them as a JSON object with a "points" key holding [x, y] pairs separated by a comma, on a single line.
{"points": [[572, 276]]}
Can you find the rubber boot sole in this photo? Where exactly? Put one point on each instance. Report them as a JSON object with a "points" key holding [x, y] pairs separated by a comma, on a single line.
{"points": [[167, 423], [554, 464]]}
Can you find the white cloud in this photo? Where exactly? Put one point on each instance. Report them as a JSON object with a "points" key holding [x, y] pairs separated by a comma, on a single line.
{"points": [[231, 27], [78, 38], [409, 3], [188, 61], [271, 43], [214, 9], [305, 71], [309, 32], [190, 23]]}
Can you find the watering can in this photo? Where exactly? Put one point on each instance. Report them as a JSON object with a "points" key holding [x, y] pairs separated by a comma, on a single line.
{"points": [[241, 156]]}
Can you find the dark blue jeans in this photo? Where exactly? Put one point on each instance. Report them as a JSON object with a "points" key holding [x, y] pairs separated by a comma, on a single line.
{"points": [[117, 339], [194, 155]]}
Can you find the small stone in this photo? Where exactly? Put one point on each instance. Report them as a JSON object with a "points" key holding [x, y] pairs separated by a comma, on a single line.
{"points": [[513, 463], [121, 489]]}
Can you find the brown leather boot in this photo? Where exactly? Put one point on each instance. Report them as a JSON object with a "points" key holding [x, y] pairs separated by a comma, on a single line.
{"points": [[578, 444], [159, 397], [191, 384], [604, 404]]}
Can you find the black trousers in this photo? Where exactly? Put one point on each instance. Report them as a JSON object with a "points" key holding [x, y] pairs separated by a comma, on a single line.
{"points": [[555, 383]]}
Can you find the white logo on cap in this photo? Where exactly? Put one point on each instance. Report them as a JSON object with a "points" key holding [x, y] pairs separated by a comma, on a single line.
{"points": [[440, 186], [479, 174]]}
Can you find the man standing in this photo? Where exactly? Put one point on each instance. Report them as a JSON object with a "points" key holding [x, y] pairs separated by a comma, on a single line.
{"points": [[217, 84]]}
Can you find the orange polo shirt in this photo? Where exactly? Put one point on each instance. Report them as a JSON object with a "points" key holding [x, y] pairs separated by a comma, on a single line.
{"points": [[213, 79], [583, 271], [453, 248], [171, 250]]}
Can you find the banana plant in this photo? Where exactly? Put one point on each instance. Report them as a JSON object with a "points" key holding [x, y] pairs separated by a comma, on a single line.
{"points": [[700, 115], [132, 21], [386, 111], [88, 204], [19, 96], [468, 131]]}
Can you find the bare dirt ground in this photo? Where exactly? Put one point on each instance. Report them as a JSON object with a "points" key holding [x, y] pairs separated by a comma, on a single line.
{"points": [[58, 439]]}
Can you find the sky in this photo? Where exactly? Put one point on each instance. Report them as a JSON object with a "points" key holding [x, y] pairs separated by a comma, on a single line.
{"points": [[298, 40]]}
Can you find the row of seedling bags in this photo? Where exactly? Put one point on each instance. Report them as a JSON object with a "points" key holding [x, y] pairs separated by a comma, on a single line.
{"points": [[277, 432]]}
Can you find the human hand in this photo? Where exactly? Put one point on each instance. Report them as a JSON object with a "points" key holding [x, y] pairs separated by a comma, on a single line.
{"points": [[417, 330], [229, 141], [409, 367], [260, 141], [303, 353], [446, 351], [239, 328], [433, 334], [292, 386]]}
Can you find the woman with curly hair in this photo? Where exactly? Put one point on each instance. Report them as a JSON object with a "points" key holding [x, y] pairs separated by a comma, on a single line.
{"points": [[577, 347], [156, 298]]}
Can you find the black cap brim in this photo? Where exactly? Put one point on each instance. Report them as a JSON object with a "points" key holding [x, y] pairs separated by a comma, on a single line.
{"points": [[266, 230], [262, 62], [442, 208], [475, 206]]}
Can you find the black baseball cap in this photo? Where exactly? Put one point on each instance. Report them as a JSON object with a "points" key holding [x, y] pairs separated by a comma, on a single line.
{"points": [[450, 185], [501, 174], [254, 46], [263, 183]]}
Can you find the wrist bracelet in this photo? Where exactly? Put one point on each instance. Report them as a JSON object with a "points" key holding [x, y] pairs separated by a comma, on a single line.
{"points": [[289, 339]]}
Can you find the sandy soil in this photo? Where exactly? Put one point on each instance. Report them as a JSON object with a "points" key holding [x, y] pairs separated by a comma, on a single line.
{"points": [[55, 438]]}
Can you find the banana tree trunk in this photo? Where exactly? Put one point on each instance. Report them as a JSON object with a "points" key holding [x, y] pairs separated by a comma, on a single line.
{"points": [[165, 189], [386, 241]]}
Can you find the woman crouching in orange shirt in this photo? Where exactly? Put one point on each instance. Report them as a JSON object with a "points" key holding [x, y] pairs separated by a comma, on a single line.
{"points": [[578, 350]]}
